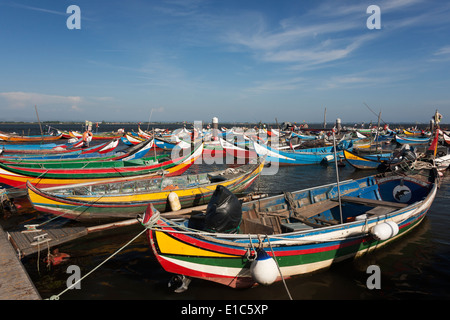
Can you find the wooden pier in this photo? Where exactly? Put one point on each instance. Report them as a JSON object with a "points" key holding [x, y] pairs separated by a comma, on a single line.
{"points": [[15, 284], [27, 242]]}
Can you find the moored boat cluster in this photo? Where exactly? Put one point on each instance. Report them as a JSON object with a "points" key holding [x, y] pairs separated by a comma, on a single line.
{"points": [[218, 234]]}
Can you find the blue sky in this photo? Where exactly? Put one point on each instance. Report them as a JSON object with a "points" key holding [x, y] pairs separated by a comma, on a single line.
{"points": [[245, 60]]}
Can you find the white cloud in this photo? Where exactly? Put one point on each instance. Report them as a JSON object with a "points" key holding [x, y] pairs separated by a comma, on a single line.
{"points": [[19, 100], [303, 41], [443, 51], [275, 85]]}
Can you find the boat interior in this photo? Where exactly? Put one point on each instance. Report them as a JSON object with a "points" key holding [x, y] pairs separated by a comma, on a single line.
{"points": [[320, 207], [155, 184]]}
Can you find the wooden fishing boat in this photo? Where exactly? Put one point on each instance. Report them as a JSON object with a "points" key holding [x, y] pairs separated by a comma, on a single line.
{"points": [[98, 135], [296, 233], [445, 137], [213, 149], [35, 138], [78, 146], [308, 156], [76, 149], [100, 152], [17, 176], [381, 161], [144, 134], [128, 198], [130, 153], [442, 162], [304, 136], [39, 148], [415, 133], [239, 152], [412, 140], [131, 140], [165, 144]]}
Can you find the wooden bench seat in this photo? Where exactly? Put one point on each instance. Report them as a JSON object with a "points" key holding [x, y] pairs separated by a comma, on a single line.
{"points": [[372, 202], [310, 210], [379, 211]]}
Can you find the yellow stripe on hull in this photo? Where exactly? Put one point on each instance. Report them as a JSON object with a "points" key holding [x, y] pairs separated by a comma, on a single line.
{"points": [[19, 180], [152, 195], [352, 156], [169, 245]]}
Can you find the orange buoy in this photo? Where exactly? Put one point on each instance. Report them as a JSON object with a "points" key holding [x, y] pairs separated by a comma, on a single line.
{"points": [[56, 258]]}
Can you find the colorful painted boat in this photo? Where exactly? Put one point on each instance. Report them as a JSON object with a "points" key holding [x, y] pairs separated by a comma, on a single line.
{"points": [[213, 149], [144, 134], [131, 140], [130, 153], [303, 136], [128, 198], [295, 233], [35, 138], [17, 176], [76, 149], [106, 153], [98, 135], [301, 156], [239, 152], [168, 145], [412, 140], [445, 137], [414, 132], [69, 148], [39, 148], [372, 161], [442, 162]]}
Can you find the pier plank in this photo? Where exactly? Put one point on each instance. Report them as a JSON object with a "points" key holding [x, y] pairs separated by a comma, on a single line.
{"points": [[15, 283], [26, 243]]}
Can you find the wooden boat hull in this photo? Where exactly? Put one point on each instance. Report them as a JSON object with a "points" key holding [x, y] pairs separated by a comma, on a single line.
{"points": [[18, 177], [167, 145], [97, 136], [365, 163], [131, 140], [298, 157], [95, 153], [412, 140], [74, 149], [237, 151], [135, 195], [227, 258], [37, 138]]}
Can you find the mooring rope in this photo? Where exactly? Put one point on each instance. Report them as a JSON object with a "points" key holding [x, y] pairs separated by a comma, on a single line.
{"points": [[279, 269], [56, 297]]}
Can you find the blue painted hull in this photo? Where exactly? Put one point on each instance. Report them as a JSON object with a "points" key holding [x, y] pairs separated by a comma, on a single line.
{"points": [[412, 140], [374, 161], [301, 157]]}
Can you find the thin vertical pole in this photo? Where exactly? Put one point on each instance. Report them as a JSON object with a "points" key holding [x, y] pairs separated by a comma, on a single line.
{"points": [[337, 176]]}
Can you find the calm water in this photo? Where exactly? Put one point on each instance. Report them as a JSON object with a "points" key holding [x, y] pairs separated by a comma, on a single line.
{"points": [[414, 267]]}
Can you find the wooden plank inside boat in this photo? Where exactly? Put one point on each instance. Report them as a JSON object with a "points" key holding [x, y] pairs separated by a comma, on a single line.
{"points": [[372, 202], [315, 208]]}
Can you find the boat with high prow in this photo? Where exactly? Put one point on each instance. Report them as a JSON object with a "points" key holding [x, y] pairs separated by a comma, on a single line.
{"points": [[271, 239], [128, 198], [57, 174]]}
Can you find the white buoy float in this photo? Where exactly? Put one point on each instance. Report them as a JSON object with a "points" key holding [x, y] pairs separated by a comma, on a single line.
{"points": [[385, 230], [264, 269], [174, 201]]}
